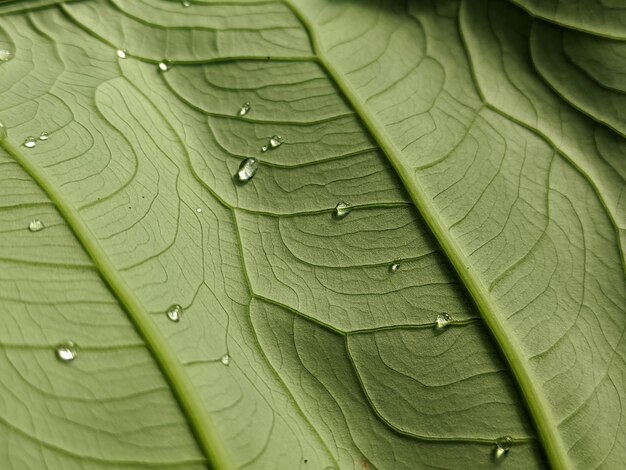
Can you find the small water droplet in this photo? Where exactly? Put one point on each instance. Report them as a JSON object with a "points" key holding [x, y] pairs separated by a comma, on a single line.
{"points": [[44, 136], [66, 351], [122, 54], [186, 3], [393, 267], [247, 169], [35, 225], [342, 209], [199, 210], [275, 142], [5, 55], [174, 312], [503, 445], [245, 109], [3, 131], [443, 320], [225, 359], [165, 65], [30, 142]]}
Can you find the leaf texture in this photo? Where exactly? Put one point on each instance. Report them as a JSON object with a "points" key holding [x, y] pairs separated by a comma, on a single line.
{"points": [[298, 346], [604, 18]]}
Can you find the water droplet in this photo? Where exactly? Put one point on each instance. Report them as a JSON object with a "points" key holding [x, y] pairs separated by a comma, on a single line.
{"points": [[443, 320], [503, 445], [275, 142], [3, 131], [122, 54], [342, 209], [35, 225], [44, 136], [66, 351], [247, 169], [225, 359], [174, 312], [393, 267], [199, 210], [5, 55], [30, 142], [165, 65], [186, 3], [245, 109]]}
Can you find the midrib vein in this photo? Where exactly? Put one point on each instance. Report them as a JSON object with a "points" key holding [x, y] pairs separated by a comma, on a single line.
{"points": [[510, 348], [181, 386]]}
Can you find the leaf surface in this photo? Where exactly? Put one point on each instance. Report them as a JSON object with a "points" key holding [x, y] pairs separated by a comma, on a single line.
{"points": [[601, 17], [298, 345]]}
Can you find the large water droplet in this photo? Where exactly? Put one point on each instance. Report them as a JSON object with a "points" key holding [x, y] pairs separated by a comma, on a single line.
{"points": [[66, 351], [393, 267], [3, 131], [186, 3], [165, 65], [503, 445], [342, 209], [245, 109], [35, 225], [225, 359], [199, 210], [247, 169], [30, 142], [442, 320], [44, 136], [174, 312], [5, 55], [122, 54]]}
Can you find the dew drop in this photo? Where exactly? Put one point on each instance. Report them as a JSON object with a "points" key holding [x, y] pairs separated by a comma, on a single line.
{"points": [[342, 209], [5, 55], [225, 359], [3, 131], [199, 210], [30, 142], [393, 267], [122, 54], [275, 142], [44, 136], [66, 351], [174, 312], [503, 445], [165, 65], [443, 320], [186, 3], [245, 109], [35, 225], [247, 169]]}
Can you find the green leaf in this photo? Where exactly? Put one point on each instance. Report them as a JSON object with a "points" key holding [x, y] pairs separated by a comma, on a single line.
{"points": [[588, 71], [601, 17], [496, 200]]}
